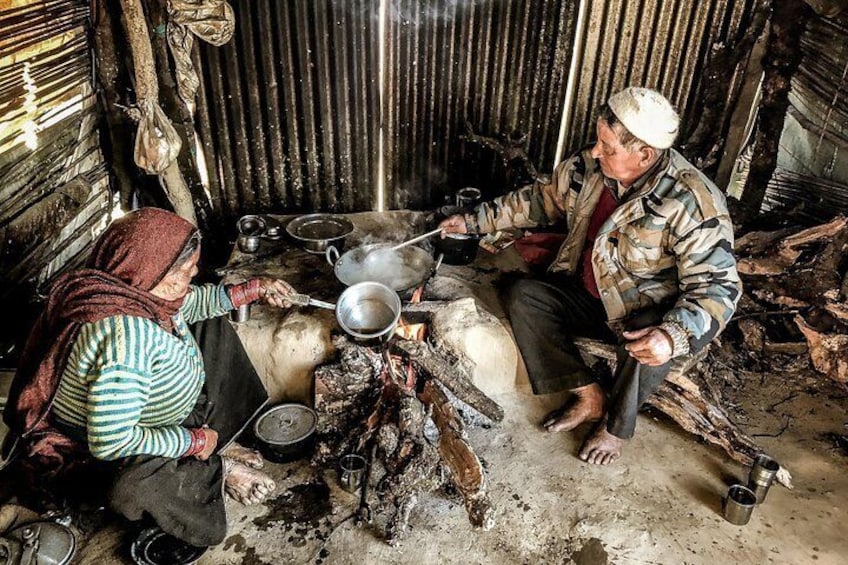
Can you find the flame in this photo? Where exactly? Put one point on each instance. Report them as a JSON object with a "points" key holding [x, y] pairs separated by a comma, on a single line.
{"points": [[416, 296]]}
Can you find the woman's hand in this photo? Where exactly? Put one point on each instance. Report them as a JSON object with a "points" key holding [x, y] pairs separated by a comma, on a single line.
{"points": [[210, 446], [274, 291], [454, 224]]}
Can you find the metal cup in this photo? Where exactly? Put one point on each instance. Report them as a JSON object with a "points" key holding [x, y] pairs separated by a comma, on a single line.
{"points": [[468, 196], [351, 471], [240, 314], [248, 243], [739, 504], [762, 475]]}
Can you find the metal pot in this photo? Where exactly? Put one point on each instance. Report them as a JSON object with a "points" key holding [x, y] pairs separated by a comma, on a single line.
{"points": [[316, 232], [405, 268], [285, 432], [369, 311], [458, 248]]}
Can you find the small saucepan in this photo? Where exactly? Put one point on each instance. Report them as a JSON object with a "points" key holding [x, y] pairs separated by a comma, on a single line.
{"points": [[458, 248], [369, 311]]}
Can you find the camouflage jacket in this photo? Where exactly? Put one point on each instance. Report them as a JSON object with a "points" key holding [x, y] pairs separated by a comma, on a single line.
{"points": [[669, 243]]}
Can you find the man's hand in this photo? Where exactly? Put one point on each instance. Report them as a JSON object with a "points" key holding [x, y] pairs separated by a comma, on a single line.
{"points": [[454, 224], [650, 346], [211, 444], [274, 291]]}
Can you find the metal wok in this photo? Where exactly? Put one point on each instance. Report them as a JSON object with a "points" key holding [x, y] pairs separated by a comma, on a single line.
{"points": [[399, 269]]}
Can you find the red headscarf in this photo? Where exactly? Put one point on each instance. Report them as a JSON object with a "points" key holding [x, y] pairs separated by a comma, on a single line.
{"points": [[129, 259]]}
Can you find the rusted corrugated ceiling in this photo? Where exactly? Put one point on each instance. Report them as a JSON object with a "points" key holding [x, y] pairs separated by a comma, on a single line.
{"points": [[289, 119], [54, 191], [660, 44], [288, 112]]}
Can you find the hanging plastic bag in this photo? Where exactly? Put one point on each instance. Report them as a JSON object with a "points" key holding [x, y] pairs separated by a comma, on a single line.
{"points": [[157, 143]]}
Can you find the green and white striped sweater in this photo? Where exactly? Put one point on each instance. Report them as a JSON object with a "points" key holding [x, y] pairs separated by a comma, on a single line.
{"points": [[129, 383]]}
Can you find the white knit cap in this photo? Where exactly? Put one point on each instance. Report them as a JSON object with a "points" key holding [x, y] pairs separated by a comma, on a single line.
{"points": [[647, 114]]}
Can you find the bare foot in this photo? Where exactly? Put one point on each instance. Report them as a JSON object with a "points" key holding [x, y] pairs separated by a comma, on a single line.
{"points": [[587, 404], [243, 455], [247, 485], [601, 448]]}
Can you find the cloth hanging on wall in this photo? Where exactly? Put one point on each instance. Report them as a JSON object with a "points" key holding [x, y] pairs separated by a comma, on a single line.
{"points": [[213, 21]]}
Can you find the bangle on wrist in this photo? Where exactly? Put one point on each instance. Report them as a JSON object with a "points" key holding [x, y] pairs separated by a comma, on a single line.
{"points": [[679, 338], [245, 293]]}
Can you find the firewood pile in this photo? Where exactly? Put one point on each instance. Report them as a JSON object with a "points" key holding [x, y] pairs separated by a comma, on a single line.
{"points": [[404, 405], [796, 294]]}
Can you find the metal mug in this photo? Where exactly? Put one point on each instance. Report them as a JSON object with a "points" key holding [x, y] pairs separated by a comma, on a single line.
{"points": [[240, 314], [468, 196], [739, 504], [351, 471], [762, 474], [248, 243]]}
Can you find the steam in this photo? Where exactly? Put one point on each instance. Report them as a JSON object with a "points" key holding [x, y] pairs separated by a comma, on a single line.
{"points": [[383, 265]]}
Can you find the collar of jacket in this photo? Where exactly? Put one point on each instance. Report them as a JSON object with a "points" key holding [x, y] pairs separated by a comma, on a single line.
{"points": [[633, 207]]}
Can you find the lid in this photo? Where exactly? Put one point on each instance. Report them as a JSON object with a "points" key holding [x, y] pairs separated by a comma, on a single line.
{"points": [[286, 424]]}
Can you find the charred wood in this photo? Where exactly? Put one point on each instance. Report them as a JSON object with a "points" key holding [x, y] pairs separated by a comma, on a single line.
{"points": [[454, 372]]}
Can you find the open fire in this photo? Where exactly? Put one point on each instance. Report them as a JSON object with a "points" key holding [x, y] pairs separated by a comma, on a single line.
{"points": [[399, 406]]}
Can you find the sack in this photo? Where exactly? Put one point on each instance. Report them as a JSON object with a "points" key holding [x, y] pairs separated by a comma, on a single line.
{"points": [[157, 143]]}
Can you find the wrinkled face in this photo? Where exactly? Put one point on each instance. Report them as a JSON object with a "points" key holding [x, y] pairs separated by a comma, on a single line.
{"points": [[174, 285], [617, 161]]}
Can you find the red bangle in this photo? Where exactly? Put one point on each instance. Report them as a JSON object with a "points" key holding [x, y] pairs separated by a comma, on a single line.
{"points": [[245, 293], [198, 442]]}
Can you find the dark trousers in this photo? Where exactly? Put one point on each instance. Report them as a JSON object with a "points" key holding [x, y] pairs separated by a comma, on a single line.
{"points": [[547, 315], [185, 497]]}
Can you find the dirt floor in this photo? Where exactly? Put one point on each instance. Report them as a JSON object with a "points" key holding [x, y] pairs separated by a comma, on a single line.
{"points": [[659, 504]]}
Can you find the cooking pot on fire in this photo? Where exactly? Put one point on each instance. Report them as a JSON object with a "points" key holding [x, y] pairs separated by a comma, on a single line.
{"points": [[398, 269], [369, 311]]}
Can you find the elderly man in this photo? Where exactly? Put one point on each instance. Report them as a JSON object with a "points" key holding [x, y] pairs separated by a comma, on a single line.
{"points": [[647, 262]]}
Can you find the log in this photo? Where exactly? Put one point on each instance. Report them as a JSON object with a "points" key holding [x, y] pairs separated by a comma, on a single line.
{"points": [[465, 468], [693, 408], [454, 374]]}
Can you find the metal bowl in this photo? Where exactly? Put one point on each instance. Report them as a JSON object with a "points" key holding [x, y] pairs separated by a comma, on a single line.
{"points": [[285, 432], [318, 231], [251, 225], [368, 311]]}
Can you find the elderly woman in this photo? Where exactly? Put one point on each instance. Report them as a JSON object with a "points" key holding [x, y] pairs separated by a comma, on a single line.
{"points": [[113, 383]]}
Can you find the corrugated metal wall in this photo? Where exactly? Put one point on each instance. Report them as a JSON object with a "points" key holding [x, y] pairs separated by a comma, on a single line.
{"points": [[498, 66], [660, 44], [290, 111], [54, 192], [815, 136]]}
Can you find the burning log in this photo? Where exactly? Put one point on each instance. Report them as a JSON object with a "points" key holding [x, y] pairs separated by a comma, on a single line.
{"points": [[454, 372]]}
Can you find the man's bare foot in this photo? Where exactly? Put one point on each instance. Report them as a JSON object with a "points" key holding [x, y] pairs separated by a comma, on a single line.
{"points": [[587, 404], [246, 485], [243, 455], [601, 448]]}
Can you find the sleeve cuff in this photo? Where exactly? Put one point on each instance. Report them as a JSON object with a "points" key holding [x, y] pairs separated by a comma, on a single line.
{"points": [[679, 338]]}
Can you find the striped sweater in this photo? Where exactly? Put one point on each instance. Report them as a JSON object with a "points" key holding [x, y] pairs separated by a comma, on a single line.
{"points": [[129, 383]]}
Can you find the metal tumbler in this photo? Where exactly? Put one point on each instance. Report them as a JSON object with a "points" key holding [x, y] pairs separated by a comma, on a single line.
{"points": [[739, 504], [351, 471], [762, 475], [240, 314]]}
